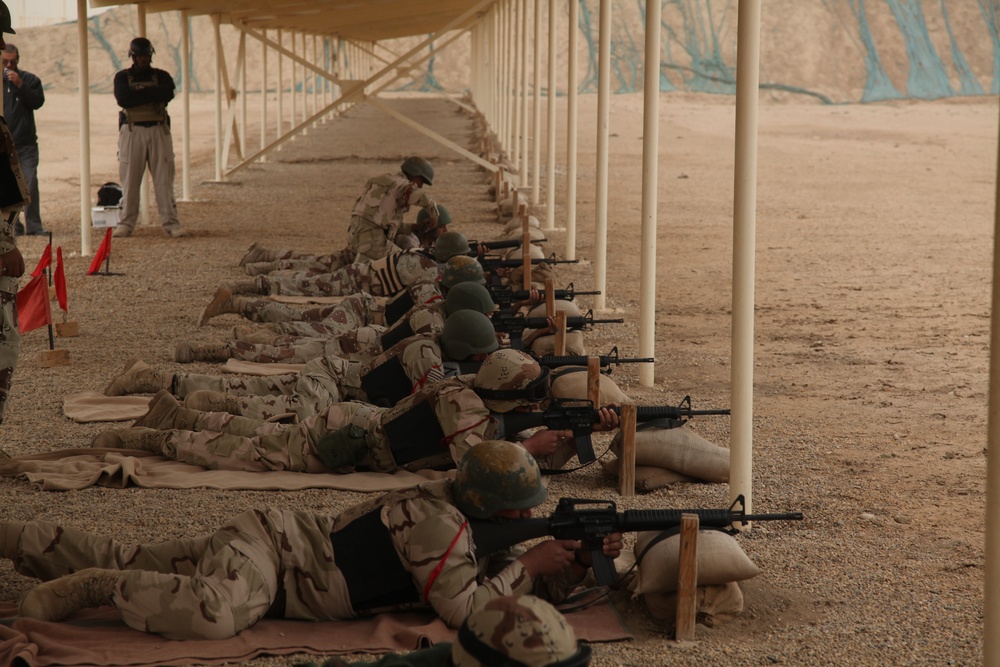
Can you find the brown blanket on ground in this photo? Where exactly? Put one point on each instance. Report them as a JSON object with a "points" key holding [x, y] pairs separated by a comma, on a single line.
{"points": [[99, 637], [68, 469], [91, 406]]}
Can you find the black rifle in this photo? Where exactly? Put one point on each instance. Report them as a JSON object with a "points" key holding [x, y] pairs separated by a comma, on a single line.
{"points": [[513, 325], [490, 264], [590, 521], [606, 360], [579, 416], [497, 245], [504, 296]]}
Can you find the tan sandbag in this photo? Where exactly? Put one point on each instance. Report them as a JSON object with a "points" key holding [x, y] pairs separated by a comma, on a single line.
{"points": [[546, 345], [715, 605], [682, 450], [720, 560], [534, 227], [510, 204], [571, 307], [648, 478], [571, 383]]}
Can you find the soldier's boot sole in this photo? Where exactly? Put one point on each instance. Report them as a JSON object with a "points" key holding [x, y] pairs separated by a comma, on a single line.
{"points": [[58, 599], [162, 411], [138, 378], [255, 253]]}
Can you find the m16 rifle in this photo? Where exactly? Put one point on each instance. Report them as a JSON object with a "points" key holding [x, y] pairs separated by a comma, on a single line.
{"points": [[590, 521], [606, 360], [490, 264], [505, 296], [513, 325], [496, 245], [579, 416]]}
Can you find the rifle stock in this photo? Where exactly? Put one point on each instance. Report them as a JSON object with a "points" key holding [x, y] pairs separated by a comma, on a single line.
{"points": [[590, 521]]}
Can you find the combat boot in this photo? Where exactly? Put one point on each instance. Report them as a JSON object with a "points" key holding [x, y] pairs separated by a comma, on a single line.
{"points": [[10, 536], [205, 400], [166, 413], [57, 599], [261, 268], [257, 253], [187, 353], [138, 378], [145, 439], [223, 302], [244, 286]]}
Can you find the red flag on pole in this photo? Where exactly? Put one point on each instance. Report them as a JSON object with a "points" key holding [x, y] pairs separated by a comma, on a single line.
{"points": [[43, 263], [33, 305], [102, 253], [59, 278]]}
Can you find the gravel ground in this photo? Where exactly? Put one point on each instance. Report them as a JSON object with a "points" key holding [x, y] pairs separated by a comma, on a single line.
{"points": [[872, 340]]}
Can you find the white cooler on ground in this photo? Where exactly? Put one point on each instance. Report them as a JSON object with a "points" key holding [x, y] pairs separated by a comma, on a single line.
{"points": [[105, 216]]}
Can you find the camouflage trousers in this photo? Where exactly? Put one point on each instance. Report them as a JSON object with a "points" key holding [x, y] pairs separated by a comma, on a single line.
{"points": [[290, 260], [10, 345], [361, 344], [369, 240], [207, 587], [347, 280], [222, 441], [323, 381], [353, 312]]}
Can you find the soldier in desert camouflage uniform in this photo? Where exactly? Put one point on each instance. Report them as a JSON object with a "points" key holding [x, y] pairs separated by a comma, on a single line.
{"points": [[13, 197], [407, 549]]}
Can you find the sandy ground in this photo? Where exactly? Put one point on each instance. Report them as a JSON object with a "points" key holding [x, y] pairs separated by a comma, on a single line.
{"points": [[872, 332]]}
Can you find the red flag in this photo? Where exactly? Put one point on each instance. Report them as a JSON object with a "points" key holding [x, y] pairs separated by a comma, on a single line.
{"points": [[59, 278], [43, 263], [102, 253], [33, 305]]}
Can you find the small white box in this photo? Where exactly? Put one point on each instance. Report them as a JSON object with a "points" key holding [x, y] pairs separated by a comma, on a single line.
{"points": [[105, 216]]}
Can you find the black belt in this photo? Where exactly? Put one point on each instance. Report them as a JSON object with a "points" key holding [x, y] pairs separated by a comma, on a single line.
{"points": [[150, 123]]}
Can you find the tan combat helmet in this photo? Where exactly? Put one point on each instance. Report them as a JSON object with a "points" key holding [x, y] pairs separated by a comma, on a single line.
{"points": [[509, 379], [522, 631]]}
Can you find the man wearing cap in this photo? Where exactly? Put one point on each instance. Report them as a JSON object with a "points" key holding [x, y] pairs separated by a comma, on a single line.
{"points": [[22, 94], [13, 196], [143, 92]]}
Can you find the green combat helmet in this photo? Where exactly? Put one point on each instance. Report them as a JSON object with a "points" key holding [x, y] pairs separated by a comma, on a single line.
{"points": [[450, 244], [468, 332], [518, 631], [418, 166], [469, 296], [444, 219], [497, 475], [462, 269], [509, 379]]}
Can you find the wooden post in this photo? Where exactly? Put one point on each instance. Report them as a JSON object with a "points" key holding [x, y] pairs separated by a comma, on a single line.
{"points": [[626, 463], [497, 180], [560, 333], [550, 295], [594, 380], [687, 579], [526, 265]]}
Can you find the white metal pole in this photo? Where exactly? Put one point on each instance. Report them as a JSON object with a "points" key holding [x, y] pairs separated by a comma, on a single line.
{"points": [[243, 95], [185, 105], [281, 90], [525, 127], [144, 184], [315, 79], [517, 8], [84, 83], [536, 166], [603, 136], [295, 83], [571, 114], [216, 20], [263, 95], [991, 591], [650, 160], [550, 134], [744, 235]]}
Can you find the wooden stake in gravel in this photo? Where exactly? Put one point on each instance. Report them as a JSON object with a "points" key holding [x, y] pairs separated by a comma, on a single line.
{"points": [[560, 343], [687, 579], [626, 466], [594, 380]]}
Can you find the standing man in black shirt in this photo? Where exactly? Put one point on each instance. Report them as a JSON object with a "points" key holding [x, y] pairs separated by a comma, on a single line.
{"points": [[22, 94], [143, 92]]}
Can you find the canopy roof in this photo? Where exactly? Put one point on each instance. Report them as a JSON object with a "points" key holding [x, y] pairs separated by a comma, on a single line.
{"points": [[363, 20]]}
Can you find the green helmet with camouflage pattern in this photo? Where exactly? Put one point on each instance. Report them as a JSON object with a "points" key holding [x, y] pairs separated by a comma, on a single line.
{"points": [[497, 475], [418, 166], [462, 269], [509, 379], [467, 332], [444, 219], [451, 244], [518, 631], [469, 296]]}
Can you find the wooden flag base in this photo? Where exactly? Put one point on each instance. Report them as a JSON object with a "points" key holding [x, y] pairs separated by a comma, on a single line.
{"points": [[67, 329], [50, 358]]}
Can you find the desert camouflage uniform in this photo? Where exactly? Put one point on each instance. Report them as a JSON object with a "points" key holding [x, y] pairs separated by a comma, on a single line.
{"points": [[291, 260], [323, 381], [283, 562], [410, 266], [353, 312], [378, 214], [10, 337]]}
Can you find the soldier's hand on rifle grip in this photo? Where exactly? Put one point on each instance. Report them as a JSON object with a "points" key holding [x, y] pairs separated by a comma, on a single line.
{"points": [[550, 557], [12, 264], [534, 298], [613, 545], [546, 442], [609, 419]]}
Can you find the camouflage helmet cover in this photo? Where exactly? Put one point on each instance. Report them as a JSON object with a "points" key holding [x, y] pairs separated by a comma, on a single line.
{"points": [[497, 475], [461, 269], [418, 166], [468, 332], [140, 46], [509, 379], [5, 26], [450, 244], [444, 218], [515, 631], [469, 296]]}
